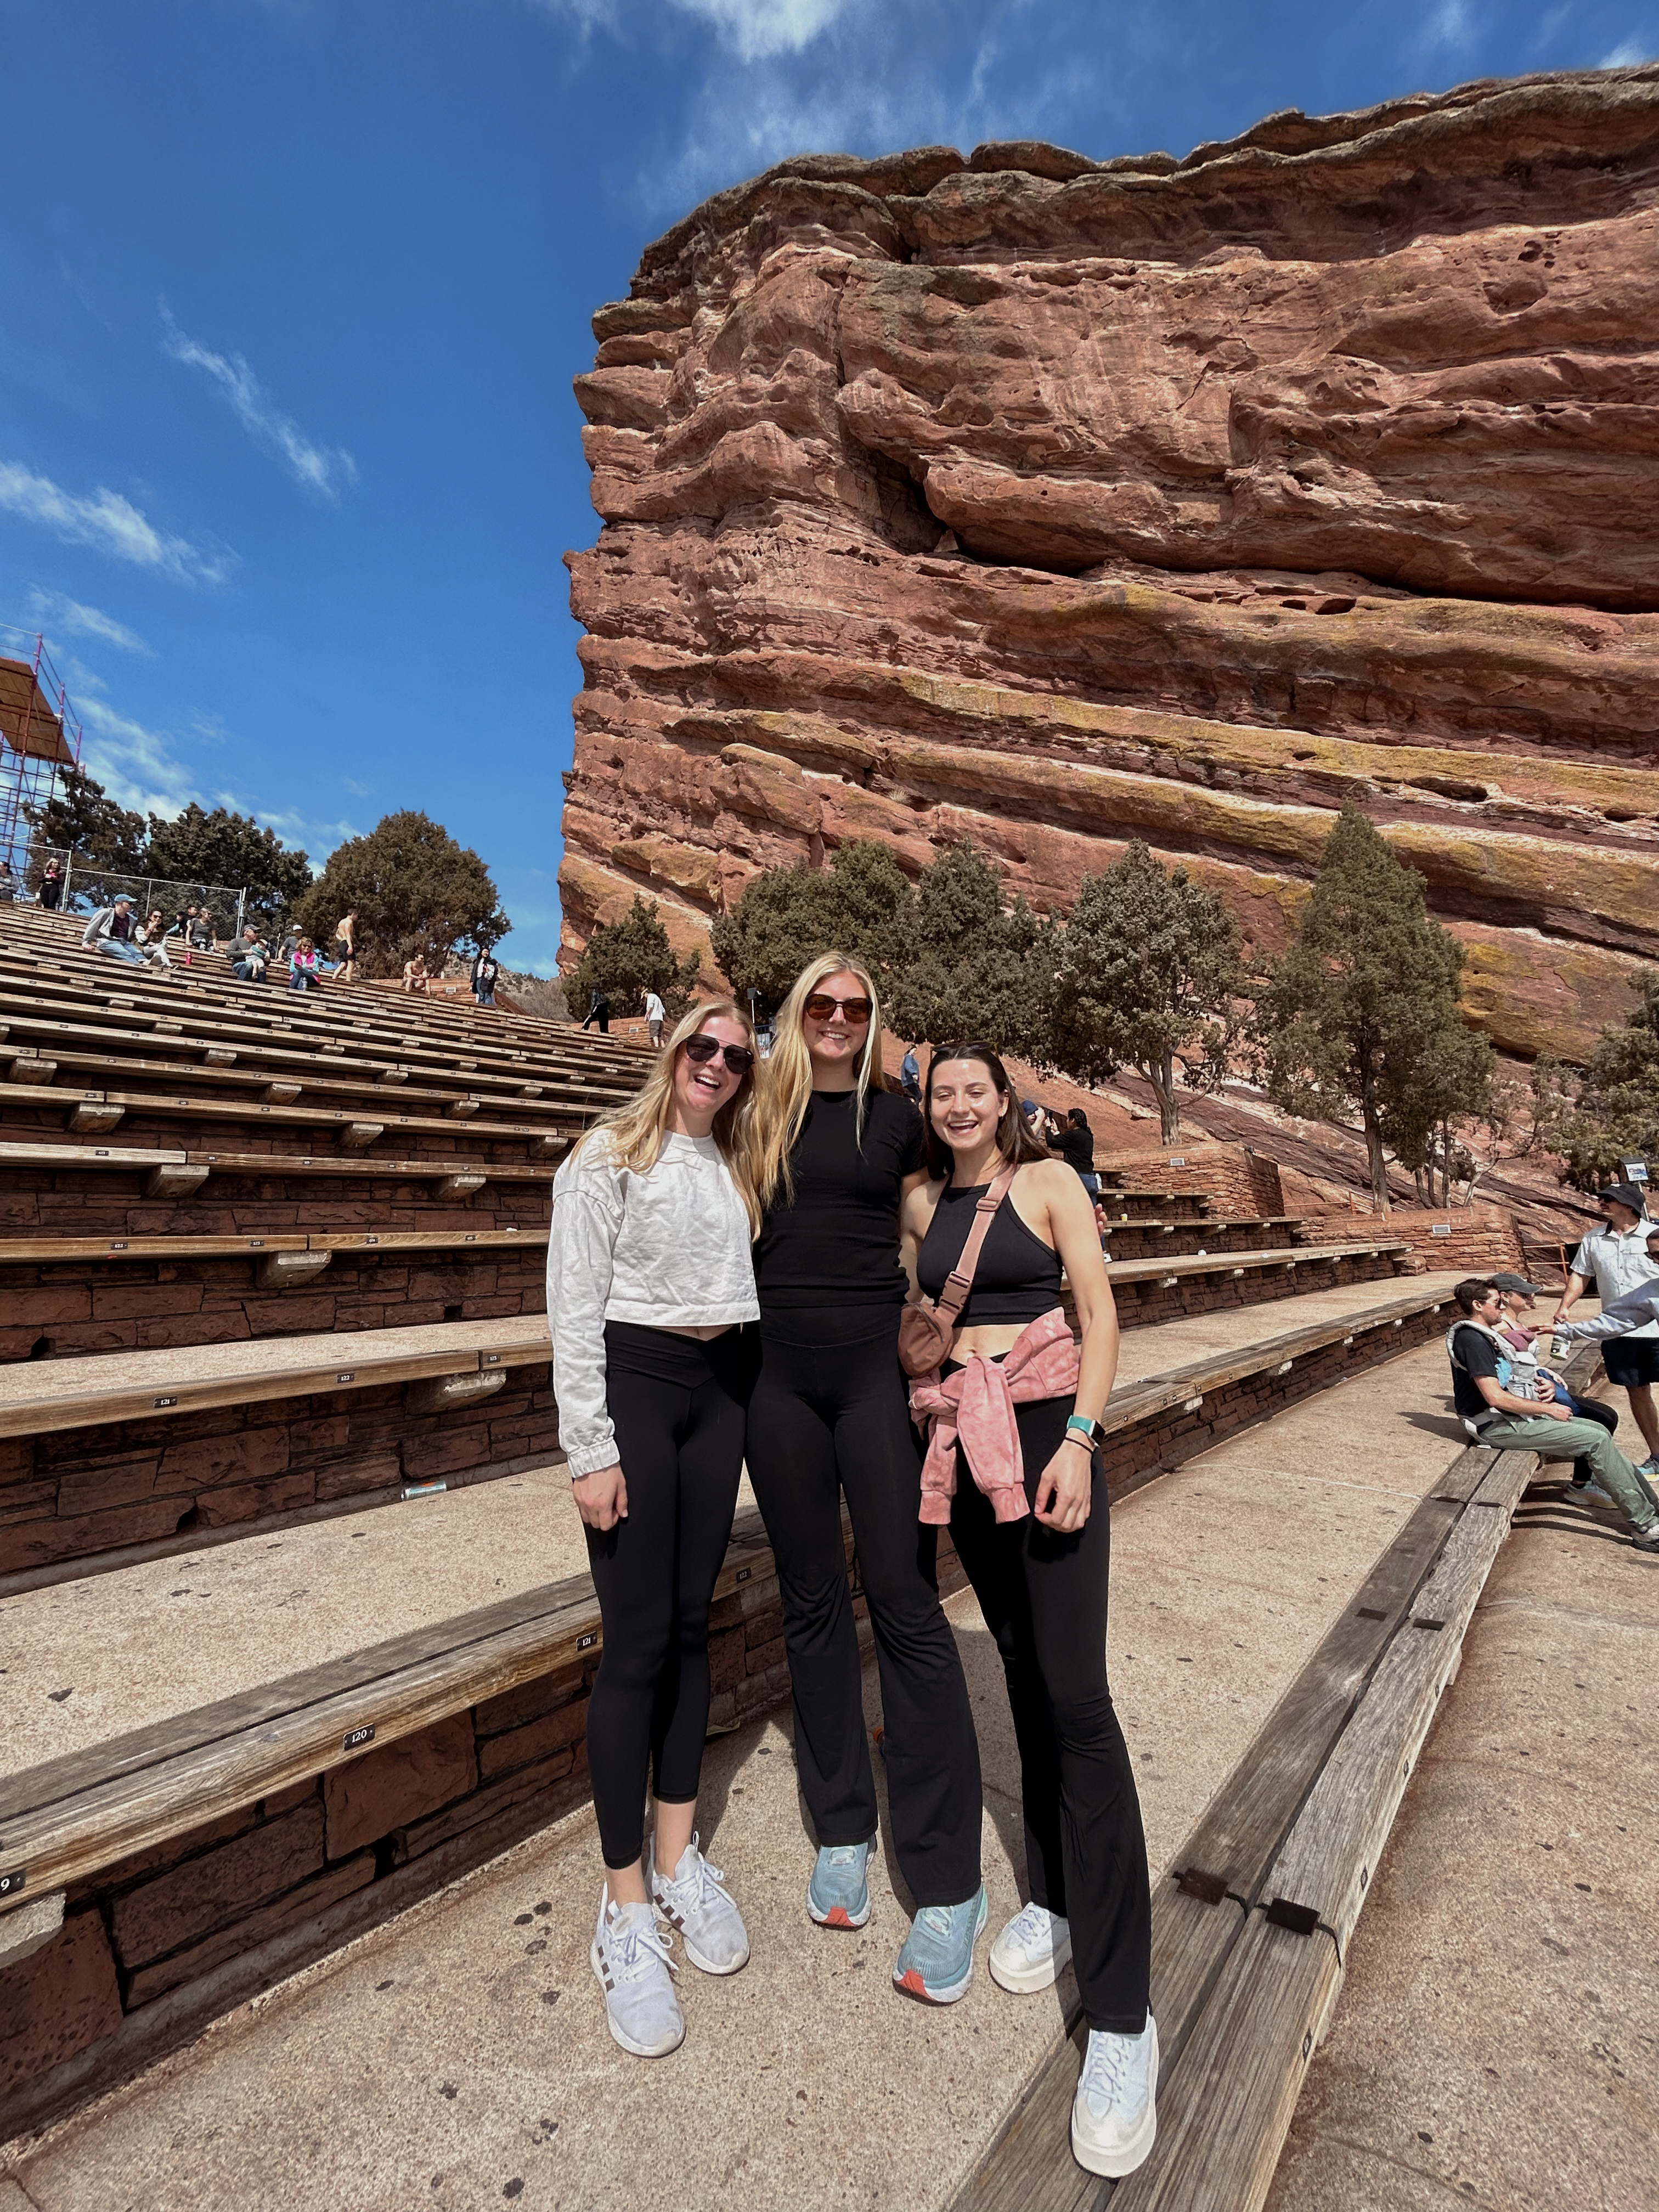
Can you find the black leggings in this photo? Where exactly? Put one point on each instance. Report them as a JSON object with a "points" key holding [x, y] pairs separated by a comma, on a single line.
{"points": [[677, 1407], [828, 1415], [1043, 1596]]}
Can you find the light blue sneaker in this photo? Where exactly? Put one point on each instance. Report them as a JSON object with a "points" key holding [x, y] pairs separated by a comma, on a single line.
{"points": [[937, 1961], [838, 1895]]}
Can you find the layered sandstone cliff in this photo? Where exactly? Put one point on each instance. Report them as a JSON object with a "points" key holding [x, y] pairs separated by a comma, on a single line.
{"points": [[1055, 503]]}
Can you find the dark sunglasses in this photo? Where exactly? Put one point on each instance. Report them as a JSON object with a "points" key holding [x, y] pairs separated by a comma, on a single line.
{"points": [[821, 1006], [701, 1049]]}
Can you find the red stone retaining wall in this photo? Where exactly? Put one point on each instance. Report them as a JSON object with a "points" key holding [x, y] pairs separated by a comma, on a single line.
{"points": [[76, 1492], [1239, 1183], [66, 1308], [1473, 1239]]}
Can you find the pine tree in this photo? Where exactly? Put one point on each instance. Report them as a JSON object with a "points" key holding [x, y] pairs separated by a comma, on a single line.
{"points": [[627, 957], [82, 820], [1148, 972], [1359, 1012]]}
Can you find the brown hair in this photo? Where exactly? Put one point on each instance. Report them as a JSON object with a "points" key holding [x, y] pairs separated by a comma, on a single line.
{"points": [[1016, 1142], [1473, 1290]]}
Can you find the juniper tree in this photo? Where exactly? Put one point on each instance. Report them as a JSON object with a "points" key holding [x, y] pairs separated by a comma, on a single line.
{"points": [[1357, 1014], [231, 849], [787, 916], [414, 890], [627, 957], [961, 964], [1612, 1113], [1148, 973]]}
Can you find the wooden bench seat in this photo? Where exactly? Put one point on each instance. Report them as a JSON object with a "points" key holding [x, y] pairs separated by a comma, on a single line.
{"points": [[42, 1250], [173, 1170], [30, 1027], [155, 993], [106, 1110], [41, 1396]]}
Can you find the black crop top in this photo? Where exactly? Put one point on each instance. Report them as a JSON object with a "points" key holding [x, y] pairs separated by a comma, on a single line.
{"points": [[836, 1244], [1017, 1277]]}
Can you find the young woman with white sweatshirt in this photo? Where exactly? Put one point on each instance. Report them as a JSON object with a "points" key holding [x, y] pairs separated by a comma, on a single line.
{"points": [[651, 1299]]}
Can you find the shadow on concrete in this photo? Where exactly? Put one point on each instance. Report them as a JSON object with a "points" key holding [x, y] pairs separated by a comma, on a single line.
{"points": [[1438, 1424]]}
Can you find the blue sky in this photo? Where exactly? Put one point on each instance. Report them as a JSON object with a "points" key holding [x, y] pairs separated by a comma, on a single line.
{"points": [[294, 290]]}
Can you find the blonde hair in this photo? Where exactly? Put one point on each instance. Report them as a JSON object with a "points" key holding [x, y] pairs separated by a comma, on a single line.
{"points": [[636, 1132], [789, 1087]]}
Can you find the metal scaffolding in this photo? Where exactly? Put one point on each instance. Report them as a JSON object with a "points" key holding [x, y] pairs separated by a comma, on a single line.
{"points": [[39, 735]]}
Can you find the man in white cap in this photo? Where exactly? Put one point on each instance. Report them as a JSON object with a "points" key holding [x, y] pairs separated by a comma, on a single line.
{"points": [[1616, 1260]]}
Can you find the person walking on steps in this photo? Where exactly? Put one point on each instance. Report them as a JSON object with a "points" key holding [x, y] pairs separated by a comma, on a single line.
{"points": [[1615, 1258], [655, 1015], [1011, 1409], [346, 948], [1488, 1391], [486, 973], [651, 1301], [52, 886], [598, 1012], [839, 1151]]}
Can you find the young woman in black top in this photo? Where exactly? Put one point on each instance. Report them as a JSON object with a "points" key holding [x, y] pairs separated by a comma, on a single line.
{"points": [[838, 1152], [1018, 1434]]}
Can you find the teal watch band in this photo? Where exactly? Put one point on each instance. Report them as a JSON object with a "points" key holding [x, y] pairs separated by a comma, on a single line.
{"points": [[1086, 1431]]}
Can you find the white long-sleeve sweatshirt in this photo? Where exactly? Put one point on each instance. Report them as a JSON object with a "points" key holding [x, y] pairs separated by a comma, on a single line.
{"points": [[666, 1250]]}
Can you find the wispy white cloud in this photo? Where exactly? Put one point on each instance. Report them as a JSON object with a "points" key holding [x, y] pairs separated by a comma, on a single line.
{"points": [[755, 29], [136, 765], [1450, 23], [67, 617], [107, 521], [321, 469], [1630, 52], [357, 790]]}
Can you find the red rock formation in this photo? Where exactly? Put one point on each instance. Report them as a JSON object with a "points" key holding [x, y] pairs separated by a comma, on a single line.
{"points": [[1055, 503]]}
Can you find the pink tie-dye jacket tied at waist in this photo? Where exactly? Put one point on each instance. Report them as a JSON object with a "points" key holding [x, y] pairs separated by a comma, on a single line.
{"points": [[975, 1407]]}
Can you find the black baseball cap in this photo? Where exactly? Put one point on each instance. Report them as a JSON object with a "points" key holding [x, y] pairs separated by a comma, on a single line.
{"points": [[1515, 1283], [1625, 1195]]}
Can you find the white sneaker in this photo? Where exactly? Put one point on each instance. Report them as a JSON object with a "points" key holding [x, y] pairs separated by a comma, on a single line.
{"points": [[692, 1900], [635, 1970], [1114, 2112], [1593, 1490], [1030, 1951]]}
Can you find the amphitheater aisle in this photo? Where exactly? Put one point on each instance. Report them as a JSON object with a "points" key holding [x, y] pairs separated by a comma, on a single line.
{"points": [[1496, 2042], [458, 2056]]}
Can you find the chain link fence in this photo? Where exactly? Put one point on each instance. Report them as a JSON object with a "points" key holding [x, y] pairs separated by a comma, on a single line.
{"points": [[190, 913]]}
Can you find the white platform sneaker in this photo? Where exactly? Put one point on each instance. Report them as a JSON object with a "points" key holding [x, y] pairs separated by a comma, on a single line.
{"points": [[691, 1900], [1030, 1951], [1115, 2112], [631, 1962]]}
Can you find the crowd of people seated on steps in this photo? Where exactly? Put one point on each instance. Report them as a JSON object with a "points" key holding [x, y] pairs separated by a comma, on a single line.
{"points": [[1508, 1398]]}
